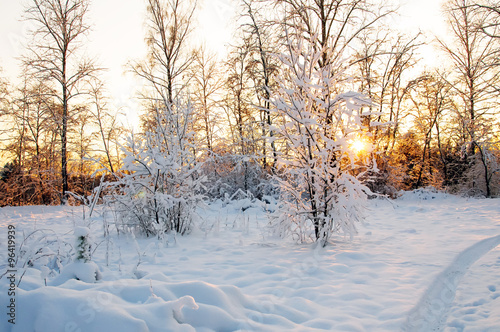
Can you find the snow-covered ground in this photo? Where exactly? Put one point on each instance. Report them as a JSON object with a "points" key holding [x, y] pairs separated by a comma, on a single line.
{"points": [[424, 262]]}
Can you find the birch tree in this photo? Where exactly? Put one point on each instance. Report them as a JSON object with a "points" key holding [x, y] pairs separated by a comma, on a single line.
{"points": [[54, 56], [169, 56], [263, 43], [207, 81]]}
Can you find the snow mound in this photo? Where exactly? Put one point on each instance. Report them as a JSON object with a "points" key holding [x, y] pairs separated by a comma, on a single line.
{"points": [[86, 272], [135, 305]]}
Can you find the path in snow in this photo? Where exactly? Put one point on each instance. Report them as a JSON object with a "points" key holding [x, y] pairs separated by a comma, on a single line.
{"points": [[431, 312]]}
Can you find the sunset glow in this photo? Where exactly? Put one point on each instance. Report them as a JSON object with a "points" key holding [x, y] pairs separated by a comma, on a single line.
{"points": [[359, 146]]}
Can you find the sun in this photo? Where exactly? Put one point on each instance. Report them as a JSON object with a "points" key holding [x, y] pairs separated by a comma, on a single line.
{"points": [[359, 146]]}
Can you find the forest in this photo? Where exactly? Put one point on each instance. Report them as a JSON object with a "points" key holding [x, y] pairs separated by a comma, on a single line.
{"points": [[319, 102]]}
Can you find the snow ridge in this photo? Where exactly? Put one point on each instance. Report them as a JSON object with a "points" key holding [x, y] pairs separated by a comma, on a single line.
{"points": [[432, 310]]}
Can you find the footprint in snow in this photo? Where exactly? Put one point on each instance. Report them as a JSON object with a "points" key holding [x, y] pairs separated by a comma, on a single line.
{"points": [[493, 290]]}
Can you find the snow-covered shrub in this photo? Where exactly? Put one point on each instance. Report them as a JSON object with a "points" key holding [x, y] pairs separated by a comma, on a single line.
{"points": [[42, 249], [159, 183], [319, 170], [227, 174]]}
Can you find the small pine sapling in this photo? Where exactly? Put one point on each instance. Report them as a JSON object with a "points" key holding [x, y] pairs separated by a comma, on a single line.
{"points": [[83, 268], [83, 245]]}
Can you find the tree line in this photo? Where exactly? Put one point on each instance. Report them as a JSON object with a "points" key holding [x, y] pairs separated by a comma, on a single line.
{"points": [[303, 82]]}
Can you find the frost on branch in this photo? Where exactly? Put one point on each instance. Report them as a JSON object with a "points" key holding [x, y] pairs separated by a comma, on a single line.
{"points": [[159, 183], [320, 170]]}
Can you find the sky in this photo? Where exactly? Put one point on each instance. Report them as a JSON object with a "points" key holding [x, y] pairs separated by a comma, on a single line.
{"points": [[117, 35]]}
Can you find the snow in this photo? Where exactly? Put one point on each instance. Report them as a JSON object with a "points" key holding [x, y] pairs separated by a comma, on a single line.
{"points": [[82, 231], [426, 261], [86, 272]]}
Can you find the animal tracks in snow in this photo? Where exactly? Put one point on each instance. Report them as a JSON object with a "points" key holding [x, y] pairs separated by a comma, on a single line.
{"points": [[431, 311]]}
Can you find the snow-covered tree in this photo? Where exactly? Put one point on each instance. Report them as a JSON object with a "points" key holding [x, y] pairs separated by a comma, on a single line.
{"points": [[319, 170], [159, 183]]}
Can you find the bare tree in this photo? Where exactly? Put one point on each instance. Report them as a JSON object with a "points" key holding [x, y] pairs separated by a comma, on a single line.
{"points": [[53, 57], [81, 168], [4, 114], [383, 64], [332, 25], [169, 57], [239, 110], [491, 25], [108, 127], [3, 94], [207, 81], [431, 99], [474, 56], [30, 145], [263, 68]]}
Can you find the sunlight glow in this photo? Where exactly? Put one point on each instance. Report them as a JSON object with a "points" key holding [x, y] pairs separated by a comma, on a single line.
{"points": [[359, 146]]}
